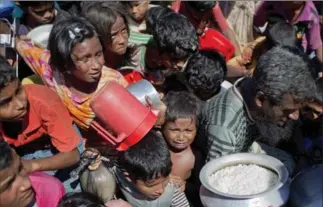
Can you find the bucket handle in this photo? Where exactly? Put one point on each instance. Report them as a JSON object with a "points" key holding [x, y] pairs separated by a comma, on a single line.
{"points": [[106, 135]]}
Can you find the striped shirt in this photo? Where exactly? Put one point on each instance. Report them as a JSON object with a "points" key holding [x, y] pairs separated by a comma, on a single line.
{"points": [[225, 125]]}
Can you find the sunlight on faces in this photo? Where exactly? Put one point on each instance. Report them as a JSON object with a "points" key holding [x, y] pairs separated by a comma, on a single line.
{"points": [[180, 133], [15, 186], [119, 37], [13, 102], [88, 60]]}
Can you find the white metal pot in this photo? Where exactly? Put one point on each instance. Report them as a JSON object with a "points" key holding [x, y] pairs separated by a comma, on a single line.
{"points": [[275, 196]]}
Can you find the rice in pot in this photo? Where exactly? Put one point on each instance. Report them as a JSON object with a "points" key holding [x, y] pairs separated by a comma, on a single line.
{"points": [[243, 179]]}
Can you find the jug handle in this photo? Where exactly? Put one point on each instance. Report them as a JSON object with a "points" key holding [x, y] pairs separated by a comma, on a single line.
{"points": [[103, 133], [106, 135]]}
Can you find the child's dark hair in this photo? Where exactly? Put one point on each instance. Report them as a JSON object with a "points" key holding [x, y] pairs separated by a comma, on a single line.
{"points": [[102, 15], [181, 104], [7, 73], [26, 4], [175, 36], [154, 14], [83, 199], [6, 157], [282, 34], [205, 71], [149, 159], [201, 6], [63, 37]]}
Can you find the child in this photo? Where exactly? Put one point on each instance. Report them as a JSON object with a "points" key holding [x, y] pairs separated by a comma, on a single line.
{"points": [[144, 175], [39, 13], [176, 40], [88, 200], [204, 75], [137, 12], [179, 130], [37, 124], [17, 189], [111, 24]]}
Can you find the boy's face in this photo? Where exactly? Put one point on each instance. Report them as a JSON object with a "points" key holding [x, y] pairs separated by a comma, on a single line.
{"points": [[43, 14], [138, 9], [180, 133], [153, 189], [15, 186], [13, 102]]}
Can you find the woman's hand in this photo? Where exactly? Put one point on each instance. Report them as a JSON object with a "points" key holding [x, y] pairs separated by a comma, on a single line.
{"points": [[29, 166]]}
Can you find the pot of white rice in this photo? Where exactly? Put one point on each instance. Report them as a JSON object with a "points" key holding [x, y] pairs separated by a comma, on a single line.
{"points": [[244, 180]]}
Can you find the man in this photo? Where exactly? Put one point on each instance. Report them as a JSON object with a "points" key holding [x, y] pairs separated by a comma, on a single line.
{"points": [[19, 190], [280, 86]]}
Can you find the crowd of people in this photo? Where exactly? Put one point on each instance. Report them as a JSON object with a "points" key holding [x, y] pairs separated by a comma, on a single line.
{"points": [[232, 77]]}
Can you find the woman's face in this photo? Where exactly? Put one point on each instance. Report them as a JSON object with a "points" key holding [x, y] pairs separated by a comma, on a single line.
{"points": [[88, 60], [119, 37]]}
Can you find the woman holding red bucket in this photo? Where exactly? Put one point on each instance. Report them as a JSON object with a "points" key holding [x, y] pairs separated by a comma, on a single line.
{"points": [[74, 68]]}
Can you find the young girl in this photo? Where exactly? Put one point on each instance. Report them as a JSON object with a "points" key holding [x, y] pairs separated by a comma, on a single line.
{"points": [[73, 67], [111, 24], [179, 130]]}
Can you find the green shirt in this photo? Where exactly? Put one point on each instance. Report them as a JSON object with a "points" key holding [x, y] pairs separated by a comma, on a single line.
{"points": [[225, 125]]}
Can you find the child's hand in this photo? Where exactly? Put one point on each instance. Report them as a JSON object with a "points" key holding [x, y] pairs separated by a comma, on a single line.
{"points": [[178, 182], [29, 166]]}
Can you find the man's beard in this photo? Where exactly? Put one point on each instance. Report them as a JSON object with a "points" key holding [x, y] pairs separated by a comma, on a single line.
{"points": [[273, 134]]}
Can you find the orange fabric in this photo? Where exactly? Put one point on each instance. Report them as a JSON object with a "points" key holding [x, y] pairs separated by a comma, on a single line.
{"points": [[79, 107], [47, 115]]}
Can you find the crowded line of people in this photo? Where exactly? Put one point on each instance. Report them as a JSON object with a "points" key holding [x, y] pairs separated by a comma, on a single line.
{"points": [[224, 88]]}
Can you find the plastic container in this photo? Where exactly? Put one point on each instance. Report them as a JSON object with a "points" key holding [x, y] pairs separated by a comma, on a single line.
{"points": [[142, 89], [118, 110], [40, 34]]}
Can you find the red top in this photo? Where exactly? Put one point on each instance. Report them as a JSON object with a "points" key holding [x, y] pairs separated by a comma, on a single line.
{"points": [[218, 17], [47, 115]]}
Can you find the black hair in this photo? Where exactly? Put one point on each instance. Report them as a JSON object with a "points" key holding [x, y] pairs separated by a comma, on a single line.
{"points": [[6, 157], [154, 14], [282, 34], [175, 36], [181, 104], [83, 199], [7, 73], [103, 15], [60, 43], [205, 71], [201, 6], [26, 4], [284, 70], [149, 159]]}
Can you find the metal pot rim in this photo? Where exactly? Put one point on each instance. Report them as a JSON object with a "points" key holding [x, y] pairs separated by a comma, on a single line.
{"points": [[262, 160]]}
